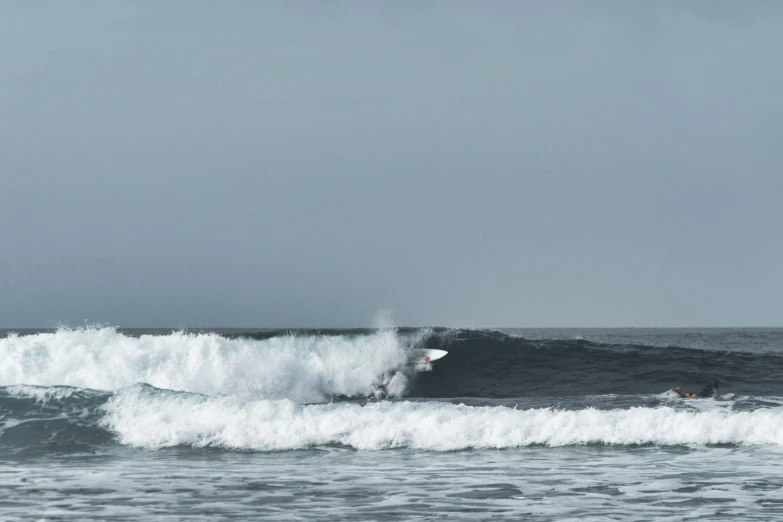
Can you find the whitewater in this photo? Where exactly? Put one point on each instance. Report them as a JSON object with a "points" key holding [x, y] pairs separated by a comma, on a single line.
{"points": [[301, 368], [524, 415], [150, 419]]}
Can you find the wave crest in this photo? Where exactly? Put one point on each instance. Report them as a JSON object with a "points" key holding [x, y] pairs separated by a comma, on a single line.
{"points": [[304, 368], [149, 418]]}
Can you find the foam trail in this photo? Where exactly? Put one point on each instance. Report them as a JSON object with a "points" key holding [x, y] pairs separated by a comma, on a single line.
{"points": [[149, 418], [41, 394], [300, 368]]}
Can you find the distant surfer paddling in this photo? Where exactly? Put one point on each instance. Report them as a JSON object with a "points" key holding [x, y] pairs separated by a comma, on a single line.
{"points": [[710, 391]]}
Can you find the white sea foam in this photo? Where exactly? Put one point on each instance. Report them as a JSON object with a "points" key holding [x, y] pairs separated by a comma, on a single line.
{"points": [[300, 368], [41, 393], [150, 418]]}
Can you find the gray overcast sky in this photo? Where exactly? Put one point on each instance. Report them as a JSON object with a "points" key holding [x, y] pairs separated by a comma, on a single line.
{"points": [[248, 163]]}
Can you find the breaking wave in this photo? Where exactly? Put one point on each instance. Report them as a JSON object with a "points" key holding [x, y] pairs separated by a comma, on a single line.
{"points": [[310, 366], [74, 390], [148, 419], [298, 367]]}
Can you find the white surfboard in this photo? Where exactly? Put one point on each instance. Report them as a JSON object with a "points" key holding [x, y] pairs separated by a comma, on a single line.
{"points": [[421, 356], [725, 397]]}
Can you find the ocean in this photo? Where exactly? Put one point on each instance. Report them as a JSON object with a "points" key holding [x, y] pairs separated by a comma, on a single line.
{"points": [[517, 424]]}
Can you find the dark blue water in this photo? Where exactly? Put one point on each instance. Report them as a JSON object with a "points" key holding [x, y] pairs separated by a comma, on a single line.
{"points": [[104, 424]]}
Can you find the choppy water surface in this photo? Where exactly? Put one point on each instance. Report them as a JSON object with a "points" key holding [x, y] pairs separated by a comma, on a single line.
{"points": [[100, 424]]}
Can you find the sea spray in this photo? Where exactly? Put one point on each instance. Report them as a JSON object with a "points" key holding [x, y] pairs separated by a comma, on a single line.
{"points": [[302, 368]]}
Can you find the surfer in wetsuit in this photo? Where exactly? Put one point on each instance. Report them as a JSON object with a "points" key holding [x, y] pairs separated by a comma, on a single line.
{"points": [[710, 391]]}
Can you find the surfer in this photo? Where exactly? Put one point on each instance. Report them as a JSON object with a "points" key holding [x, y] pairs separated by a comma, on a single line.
{"points": [[710, 391], [418, 360], [383, 388]]}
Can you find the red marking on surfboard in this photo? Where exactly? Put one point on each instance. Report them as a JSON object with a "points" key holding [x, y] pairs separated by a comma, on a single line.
{"points": [[419, 355]]}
